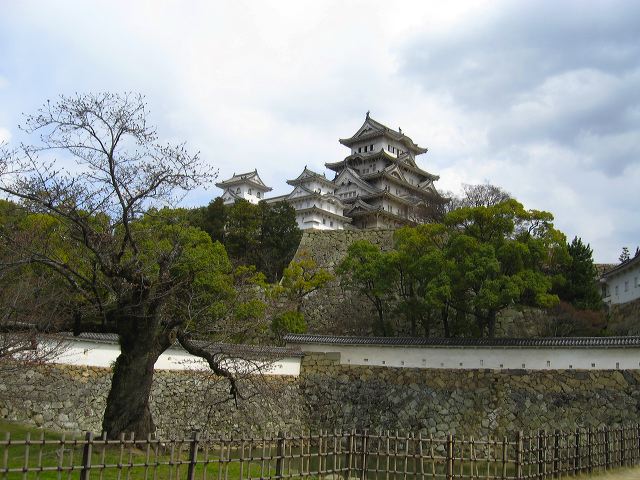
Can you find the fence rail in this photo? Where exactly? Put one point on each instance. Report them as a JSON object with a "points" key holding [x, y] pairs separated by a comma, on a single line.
{"points": [[354, 454]]}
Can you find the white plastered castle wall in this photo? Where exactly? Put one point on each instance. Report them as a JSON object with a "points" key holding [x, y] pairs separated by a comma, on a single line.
{"points": [[473, 358], [624, 286], [101, 354]]}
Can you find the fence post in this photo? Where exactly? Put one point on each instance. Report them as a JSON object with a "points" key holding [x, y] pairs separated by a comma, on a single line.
{"points": [[577, 461], [541, 452], [350, 447], [590, 450], [607, 449], [86, 456], [556, 454], [504, 456], [193, 455], [280, 455], [623, 444], [365, 438], [638, 439], [449, 457], [519, 454]]}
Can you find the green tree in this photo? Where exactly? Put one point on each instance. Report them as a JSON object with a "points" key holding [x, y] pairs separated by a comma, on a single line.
{"points": [[301, 278], [502, 255], [624, 256], [367, 270], [279, 238], [242, 239], [151, 276], [422, 281], [288, 322], [212, 219], [580, 276]]}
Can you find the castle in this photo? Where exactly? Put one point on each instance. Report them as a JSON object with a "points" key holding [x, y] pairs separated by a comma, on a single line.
{"points": [[378, 185]]}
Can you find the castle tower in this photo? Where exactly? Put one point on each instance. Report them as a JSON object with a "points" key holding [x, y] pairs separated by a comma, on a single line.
{"points": [[315, 204], [380, 183]]}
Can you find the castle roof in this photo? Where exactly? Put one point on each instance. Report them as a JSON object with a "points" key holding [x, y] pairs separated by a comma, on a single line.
{"points": [[373, 129], [300, 192], [555, 342], [635, 260], [249, 178], [403, 161], [350, 175], [327, 213], [308, 175]]}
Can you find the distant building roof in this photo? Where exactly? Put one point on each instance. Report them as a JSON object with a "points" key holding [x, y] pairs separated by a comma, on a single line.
{"points": [[309, 175], [550, 342], [244, 178], [635, 260]]}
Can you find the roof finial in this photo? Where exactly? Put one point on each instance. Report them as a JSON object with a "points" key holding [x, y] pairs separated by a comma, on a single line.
{"points": [[368, 112], [399, 129]]}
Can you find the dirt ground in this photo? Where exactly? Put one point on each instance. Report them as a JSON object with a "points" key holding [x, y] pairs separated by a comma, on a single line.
{"points": [[624, 474]]}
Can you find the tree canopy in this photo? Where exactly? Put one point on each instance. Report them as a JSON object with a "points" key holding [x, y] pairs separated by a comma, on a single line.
{"points": [[265, 235], [477, 262], [107, 234]]}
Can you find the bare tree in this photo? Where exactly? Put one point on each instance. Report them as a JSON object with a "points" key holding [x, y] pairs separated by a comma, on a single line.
{"points": [[141, 269], [30, 307], [482, 195]]}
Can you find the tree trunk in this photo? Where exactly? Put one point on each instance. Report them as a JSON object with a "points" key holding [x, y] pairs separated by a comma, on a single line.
{"points": [[491, 324], [381, 323], [445, 320], [127, 407]]}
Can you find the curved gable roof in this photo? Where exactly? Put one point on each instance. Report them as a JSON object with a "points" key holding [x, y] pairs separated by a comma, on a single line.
{"points": [[373, 129], [352, 176]]}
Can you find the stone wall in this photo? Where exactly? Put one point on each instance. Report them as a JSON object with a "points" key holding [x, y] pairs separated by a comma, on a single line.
{"points": [[334, 310], [329, 395], [465, 402], [63, 397], [624, 318]]}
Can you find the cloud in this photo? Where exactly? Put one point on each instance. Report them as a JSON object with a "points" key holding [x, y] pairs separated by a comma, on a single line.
{"points": [[540, 72], [5, 135], [541, 98]]}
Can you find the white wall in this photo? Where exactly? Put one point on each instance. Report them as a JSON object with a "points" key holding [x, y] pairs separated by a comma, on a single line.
{"points": [[470, 358], [627, 283], [99, 354]]}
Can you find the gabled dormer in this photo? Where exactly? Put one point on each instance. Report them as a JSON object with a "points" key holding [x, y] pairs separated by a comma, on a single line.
{"points": [[246, 186], [373, 136], [313, 181]]}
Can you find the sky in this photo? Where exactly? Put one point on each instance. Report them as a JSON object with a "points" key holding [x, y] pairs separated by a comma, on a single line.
{"points": [[541, 98]]}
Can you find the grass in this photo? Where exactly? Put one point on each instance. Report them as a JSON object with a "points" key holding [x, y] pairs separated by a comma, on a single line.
{"points": [[119, 461], [618, 474], [170, 460]]}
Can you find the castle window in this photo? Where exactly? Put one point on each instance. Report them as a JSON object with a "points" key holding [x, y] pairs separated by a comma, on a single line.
{"points": [[249, 191], [359, 149], [626, 286], [331, 224], [616, 289], [371, 148], [238, 190], [258, 194]]}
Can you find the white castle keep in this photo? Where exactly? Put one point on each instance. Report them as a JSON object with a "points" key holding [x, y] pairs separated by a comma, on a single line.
{"points": [[378, 185]]}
